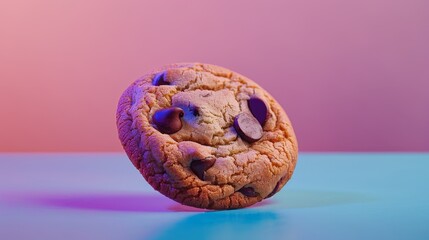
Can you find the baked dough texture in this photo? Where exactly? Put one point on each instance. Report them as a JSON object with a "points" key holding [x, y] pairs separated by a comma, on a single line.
{"points": [[211, 97]]}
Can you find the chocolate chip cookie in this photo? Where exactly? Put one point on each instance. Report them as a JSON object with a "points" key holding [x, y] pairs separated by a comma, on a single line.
{"points": [[206, 136]]}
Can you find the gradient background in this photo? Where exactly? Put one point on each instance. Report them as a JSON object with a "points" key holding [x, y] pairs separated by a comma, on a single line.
{"points": [[352, 75]]}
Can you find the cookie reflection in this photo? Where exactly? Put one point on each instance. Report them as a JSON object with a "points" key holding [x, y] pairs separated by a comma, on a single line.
{"points": [[233, 224]]}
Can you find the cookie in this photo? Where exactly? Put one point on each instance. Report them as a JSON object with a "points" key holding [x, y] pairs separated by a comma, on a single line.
{"points": [[206, 136]]}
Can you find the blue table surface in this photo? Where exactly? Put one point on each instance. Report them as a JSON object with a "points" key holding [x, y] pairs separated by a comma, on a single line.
{"points": [[102, 196]]}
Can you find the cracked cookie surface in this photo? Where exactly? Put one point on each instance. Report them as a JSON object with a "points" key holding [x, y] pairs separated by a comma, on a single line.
{"points": [[194, 134]]}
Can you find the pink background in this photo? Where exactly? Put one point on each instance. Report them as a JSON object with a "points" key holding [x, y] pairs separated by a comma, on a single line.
{"points": [[352, 75]]}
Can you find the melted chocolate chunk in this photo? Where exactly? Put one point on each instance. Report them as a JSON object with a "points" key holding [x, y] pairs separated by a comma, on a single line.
{"points": [[259, 109], [168, 120], [195, 111], [275, 190], [199, 166], [159, 79], [248, 127], [248, 192]]}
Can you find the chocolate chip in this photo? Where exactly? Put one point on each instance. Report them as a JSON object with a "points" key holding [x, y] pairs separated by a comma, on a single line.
{"points": [[275, 190], [195, 111], [159, 79], [248, 127], [248, 191], [168, 120], [259, 109], [199, 166]]}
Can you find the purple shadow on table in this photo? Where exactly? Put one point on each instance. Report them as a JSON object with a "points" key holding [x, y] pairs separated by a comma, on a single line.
{"points": [[122, 202]]}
